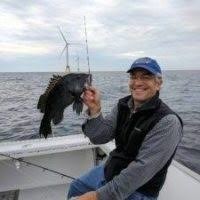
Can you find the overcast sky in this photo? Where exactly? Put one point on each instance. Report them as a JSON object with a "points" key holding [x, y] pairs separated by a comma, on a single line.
{"points": [[119, 31]]}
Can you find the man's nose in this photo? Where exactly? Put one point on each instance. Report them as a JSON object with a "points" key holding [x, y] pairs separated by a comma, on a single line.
{"points": [[135, 83]]}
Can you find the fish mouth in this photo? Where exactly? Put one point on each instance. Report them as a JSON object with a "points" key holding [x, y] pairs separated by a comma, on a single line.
{"points": [[88, 82]]}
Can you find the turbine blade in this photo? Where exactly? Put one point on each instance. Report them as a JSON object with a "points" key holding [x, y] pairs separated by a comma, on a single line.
{"points": [[62, 34], [63, 50]]}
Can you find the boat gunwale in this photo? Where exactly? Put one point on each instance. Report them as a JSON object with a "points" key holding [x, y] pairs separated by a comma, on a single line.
{"points": [[36, 147]]}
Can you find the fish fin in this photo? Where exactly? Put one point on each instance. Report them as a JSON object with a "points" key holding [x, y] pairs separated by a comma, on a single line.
{"points": [[43, 98], [53, 81], [45, 127], [58, 117], [42, 103], [78, 105]]}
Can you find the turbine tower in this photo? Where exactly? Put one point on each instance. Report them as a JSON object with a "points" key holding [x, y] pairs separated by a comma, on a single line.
{"points": [[67, 69]]}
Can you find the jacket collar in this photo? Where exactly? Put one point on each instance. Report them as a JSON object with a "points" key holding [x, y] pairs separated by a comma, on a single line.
{"points": [[152, 104]]}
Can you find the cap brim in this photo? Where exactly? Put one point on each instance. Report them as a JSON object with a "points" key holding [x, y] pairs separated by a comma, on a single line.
{"points": [[146, 68]]}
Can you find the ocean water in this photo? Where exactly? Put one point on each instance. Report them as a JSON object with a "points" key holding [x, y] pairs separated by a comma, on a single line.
{"points": [[20, 119]]}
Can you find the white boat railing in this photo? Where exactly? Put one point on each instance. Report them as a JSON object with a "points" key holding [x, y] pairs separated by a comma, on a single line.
{"points": [[36, 147]]}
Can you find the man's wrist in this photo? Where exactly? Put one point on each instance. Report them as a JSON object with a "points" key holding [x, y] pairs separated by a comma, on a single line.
{"points": [[94, 112], [89, 116]]}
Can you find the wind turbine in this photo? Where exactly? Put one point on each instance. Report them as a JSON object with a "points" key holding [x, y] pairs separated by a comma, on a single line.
{"points": [[67, 50]]}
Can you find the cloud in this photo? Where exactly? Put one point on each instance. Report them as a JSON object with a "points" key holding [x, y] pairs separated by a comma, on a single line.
{"points": [[118, 31], [132, 54], [25, 49]]}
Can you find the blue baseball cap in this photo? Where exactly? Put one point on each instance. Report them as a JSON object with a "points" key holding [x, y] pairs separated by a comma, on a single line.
{"points": [[146, 63]]}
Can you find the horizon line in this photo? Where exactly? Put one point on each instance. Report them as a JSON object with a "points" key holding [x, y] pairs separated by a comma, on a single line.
{"points": [[92, 71]]}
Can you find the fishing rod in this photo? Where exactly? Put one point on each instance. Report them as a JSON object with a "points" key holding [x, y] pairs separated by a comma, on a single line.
{"points": [[87, 51], [20, 160]]}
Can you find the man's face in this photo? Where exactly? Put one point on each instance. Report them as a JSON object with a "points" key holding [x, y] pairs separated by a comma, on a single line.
{"points": [[143, 85]]}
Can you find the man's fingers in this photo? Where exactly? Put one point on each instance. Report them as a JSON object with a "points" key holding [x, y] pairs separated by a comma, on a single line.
{"points": [[87, 98], [91, 97], [91, 89], [88, 93]]}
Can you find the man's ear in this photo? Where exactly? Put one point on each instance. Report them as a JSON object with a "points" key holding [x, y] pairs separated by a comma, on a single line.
{"points": [[159, 82]]}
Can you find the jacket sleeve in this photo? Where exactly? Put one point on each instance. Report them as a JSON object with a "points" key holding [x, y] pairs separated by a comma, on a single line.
{"points": [[101, 130], [157, 148]]}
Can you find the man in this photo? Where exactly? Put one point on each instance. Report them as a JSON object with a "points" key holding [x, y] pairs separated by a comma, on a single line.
{"points": [[146, 132]]}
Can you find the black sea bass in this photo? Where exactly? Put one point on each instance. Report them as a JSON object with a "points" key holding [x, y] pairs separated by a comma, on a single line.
{"points": [[60, 93]]}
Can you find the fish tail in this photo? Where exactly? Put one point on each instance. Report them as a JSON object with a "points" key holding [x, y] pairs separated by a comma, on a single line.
{"points": [[45, 127]]}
